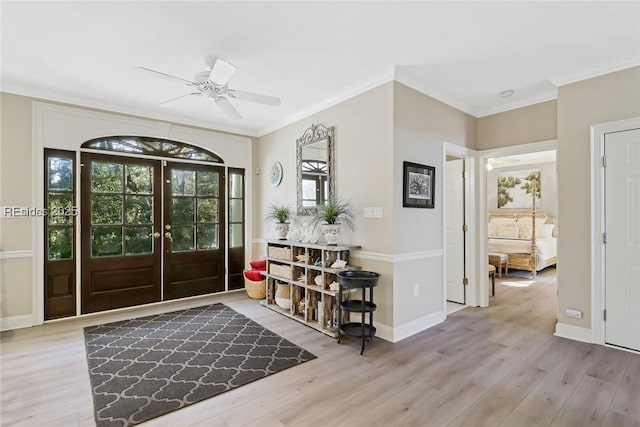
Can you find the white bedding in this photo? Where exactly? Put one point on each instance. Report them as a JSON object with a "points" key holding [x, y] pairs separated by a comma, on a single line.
{"points": [[545, 248]]}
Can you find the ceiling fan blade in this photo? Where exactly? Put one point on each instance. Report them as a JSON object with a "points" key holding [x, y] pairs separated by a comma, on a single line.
{"points": [[255, 97], [228, 108], [167, 76], [169, 101], [221, 72]]}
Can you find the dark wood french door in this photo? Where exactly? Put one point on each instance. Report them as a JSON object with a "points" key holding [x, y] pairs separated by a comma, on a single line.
{"points": [[141, 217], [193, 230], [121, 228]]}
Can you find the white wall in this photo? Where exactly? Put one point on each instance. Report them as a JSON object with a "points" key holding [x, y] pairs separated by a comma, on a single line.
{"points": [[421, 125]]}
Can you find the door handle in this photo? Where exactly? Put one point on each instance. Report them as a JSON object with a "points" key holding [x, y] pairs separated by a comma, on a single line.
{"points": [[168, 236], [156, 235]]}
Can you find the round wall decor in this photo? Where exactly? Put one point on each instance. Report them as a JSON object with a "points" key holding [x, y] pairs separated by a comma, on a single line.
{"points": [[275, 177]]}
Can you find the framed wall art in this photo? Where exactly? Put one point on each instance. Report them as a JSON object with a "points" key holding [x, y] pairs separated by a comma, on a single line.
{"points": [[419, 184]]}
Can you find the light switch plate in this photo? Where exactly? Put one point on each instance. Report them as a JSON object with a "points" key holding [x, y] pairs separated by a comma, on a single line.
{"points": [[373, 212]]}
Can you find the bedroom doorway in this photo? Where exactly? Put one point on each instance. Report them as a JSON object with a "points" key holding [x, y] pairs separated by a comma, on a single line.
{"points": [[517, 167]]}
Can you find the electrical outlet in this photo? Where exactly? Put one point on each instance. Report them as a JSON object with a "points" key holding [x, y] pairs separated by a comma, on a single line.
{"points": [[576, 314], [416, 290]]}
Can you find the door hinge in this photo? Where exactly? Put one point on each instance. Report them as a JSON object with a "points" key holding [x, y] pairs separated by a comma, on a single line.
{"points": [[465, 227], [604, 314], [604, 237], [464, 174], [465, 281], [604, 161]]}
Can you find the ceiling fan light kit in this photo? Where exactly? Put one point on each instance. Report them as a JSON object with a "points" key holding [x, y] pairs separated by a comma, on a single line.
{"points": [[213, 83]]}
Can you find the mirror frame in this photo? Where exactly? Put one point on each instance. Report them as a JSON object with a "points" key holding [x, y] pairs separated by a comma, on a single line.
{"points": [[312, 135]]}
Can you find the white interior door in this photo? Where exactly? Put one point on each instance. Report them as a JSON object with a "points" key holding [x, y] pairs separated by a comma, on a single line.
{"points": [[622, 249], [454, 234]]}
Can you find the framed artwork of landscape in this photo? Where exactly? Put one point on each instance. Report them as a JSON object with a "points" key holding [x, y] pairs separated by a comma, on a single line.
{"points": [[419, 183]]}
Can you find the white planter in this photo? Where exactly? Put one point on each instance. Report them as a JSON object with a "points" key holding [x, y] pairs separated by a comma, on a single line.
{"points": [[331, 232], [282, 230]]}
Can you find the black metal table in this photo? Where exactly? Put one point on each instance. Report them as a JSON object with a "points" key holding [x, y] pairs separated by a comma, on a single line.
{"points": [[350, 280]]}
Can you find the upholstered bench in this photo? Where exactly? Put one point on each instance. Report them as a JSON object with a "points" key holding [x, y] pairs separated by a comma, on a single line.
{"points": [[499, 261]]}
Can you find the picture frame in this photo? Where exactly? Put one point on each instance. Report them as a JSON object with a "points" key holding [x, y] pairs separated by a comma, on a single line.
{"points": [[419, 185]]}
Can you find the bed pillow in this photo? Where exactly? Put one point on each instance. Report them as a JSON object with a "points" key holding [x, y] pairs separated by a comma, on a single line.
{"points": [[525, 225], [502, 221], [492, 230], [547, 230], [508, 230], [524, 231]]}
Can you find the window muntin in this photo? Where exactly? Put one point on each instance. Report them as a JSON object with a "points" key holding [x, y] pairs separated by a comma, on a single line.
{"points": [[60, 209]]}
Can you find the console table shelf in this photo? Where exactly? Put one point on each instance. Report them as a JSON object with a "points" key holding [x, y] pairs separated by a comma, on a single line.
{"points": [[306, 270]]}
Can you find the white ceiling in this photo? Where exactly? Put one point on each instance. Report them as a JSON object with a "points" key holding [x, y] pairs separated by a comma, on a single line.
{"points": [[310, 54], [522, 159]]}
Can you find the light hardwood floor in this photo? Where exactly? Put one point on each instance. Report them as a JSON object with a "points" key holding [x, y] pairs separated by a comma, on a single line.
{"points": [[499, 366]]}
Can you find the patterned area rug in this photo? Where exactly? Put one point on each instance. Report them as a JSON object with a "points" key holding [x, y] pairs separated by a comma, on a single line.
{"points": [[146, 367]]}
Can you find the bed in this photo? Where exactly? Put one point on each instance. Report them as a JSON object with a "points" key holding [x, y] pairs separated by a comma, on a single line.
{"points": [[528, 237]]}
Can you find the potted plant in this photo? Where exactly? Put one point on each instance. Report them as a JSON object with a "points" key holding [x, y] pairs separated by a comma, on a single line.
{"points": [[280, 214], [331, 216]]}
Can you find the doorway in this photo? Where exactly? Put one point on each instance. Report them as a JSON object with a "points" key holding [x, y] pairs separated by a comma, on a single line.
{"points": [[151, 231], [455, 230], [484, 206], [622, 238]]}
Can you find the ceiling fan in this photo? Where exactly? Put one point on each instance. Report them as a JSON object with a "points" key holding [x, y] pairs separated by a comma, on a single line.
{"points": [[213, 83]]}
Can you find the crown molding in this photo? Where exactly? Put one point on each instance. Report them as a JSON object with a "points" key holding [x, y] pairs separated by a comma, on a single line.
{"points": [[545, 96], [53, 96], [385, 76], [596, 70]]}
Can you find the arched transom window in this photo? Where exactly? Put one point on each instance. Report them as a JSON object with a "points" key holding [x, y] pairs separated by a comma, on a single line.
{"points": [[149, 146]]}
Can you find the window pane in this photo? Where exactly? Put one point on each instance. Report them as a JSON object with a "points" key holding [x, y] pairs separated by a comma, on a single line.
{"points": [[106, 209], [207, 210], [235, 236], [139, 210], [182, 210], [182, 238], [235, 210], [207, 183], [59, 209], [139, 179], [106, 241], [308, 189], [207, 236], [138, 240], [60, 174], [106, 177], [183, 182], [235, 186], [60, 243], [151, 146]]}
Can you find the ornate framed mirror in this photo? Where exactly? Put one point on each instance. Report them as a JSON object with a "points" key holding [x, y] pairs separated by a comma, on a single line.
{"points": [[315, 164]]}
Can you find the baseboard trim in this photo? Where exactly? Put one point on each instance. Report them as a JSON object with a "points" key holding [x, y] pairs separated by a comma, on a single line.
{"points": [[17, 322], [572, 332], [411, 328]]}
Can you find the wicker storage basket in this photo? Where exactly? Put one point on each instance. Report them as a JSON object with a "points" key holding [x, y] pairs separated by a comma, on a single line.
{"points": [[280, 270], [256, 290], [280, 253]]}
